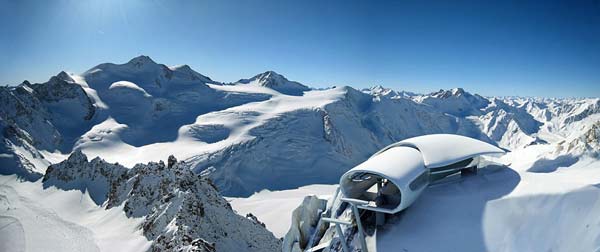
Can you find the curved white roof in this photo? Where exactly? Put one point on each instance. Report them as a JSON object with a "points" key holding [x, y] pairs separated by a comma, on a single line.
{"points": [[400, 165], [445, 149], [403, 162]]}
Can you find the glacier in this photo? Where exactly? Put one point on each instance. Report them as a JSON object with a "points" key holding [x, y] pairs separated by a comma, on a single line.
{"points": [[262, 138]]}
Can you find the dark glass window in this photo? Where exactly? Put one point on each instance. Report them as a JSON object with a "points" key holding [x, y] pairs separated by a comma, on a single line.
{"points": [[419, 181]]}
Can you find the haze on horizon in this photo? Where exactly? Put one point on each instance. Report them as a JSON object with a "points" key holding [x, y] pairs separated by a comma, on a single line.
{"points": [[536, 48]]}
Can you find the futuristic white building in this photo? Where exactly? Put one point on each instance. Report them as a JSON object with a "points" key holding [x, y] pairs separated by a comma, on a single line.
{"points": [[391, 179]]}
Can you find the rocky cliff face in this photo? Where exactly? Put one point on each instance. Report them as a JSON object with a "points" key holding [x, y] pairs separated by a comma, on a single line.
{"points": [[305, 220], [181, 211], [34, 117]]}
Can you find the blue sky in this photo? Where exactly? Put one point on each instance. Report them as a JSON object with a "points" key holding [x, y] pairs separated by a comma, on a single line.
{"points": [[538, 48]]}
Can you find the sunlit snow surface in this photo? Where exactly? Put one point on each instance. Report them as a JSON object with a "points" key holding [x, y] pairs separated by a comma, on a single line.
{"points": [[37, 219], [270, 133], [499, 209], [503, 209], [274, 208], [103, 139]]}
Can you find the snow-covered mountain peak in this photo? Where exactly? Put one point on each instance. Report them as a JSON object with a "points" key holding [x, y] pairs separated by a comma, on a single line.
{"points": [[141, 61], [267, 79], [377, 90], [277, 82], [381, 91], [457, 91], [65, 76], [61, 78], [271, 75], [455, 101], [454, 92], [185, 71], [457, 94], [136, 66], [155, 78]]}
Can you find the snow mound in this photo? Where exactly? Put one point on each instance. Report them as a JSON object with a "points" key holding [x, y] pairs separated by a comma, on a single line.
{"points": [[126, 85]]}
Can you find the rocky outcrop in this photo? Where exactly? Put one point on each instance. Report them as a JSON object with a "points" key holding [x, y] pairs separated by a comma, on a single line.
{"points": [[181, 211], [36, 117], [305, 220]]}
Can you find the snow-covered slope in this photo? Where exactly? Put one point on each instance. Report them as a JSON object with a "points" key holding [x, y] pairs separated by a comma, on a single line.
{"points": [[133, 112], [34, 218], [275, 208], [154, 100], [180, 211], [265, 132], [504, 210], [541, 199], [544, 196]]}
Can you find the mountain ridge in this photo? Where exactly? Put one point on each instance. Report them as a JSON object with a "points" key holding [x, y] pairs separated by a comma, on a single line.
{"points": [[181, 211], [147, 110]]}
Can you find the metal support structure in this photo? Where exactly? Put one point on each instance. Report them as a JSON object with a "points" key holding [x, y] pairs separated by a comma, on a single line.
{"points": [[342, 238], [361, 232], [379, 216], [338, 227]]}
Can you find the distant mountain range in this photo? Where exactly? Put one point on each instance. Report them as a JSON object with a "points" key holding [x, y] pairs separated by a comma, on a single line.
{"points": [[265, 132]]}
